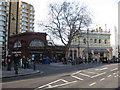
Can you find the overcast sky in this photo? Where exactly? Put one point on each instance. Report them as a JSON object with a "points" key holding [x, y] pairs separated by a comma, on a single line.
{"points": [[104, 11]]}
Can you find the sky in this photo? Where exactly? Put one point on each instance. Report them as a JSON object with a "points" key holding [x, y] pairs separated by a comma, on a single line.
{"points": [[103, 11]]}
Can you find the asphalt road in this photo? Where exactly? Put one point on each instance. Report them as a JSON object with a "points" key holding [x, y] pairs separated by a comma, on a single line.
{"points": [[104, 76]]}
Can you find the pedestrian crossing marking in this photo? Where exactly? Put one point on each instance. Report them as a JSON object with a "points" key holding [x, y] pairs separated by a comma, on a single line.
{"points": [[114, 73]]}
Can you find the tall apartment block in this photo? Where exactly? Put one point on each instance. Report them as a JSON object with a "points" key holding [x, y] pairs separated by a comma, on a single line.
{"points": [[15, 17]]}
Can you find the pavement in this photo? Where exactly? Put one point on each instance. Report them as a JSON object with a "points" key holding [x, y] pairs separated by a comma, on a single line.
{"points": [[21, 72]]}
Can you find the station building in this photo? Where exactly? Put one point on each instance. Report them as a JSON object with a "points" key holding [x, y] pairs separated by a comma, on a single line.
{"points": [[29, 43]]}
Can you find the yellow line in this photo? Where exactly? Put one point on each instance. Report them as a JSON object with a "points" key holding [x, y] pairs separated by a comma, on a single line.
{"points": [[92, 84], [109, 76], [114, 73], [102, 79], [115, 76]]}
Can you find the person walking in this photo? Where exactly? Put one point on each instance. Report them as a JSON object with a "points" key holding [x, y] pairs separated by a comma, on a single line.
{"points": [[9, 61], [24, 60], [16, 62]]}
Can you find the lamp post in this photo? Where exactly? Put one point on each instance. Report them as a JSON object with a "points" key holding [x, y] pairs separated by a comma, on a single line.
{"points": [[78, 46], [7, 51], [88, 45]]}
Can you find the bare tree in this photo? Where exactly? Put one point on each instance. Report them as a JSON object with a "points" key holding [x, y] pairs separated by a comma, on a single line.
{"points": [[66, 21]]}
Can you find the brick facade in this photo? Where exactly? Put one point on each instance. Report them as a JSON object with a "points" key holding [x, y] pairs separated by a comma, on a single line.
{"points": [[26, 50]]}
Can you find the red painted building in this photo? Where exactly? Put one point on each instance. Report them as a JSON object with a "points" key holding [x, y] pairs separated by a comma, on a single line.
{"points": [[29, 43]]}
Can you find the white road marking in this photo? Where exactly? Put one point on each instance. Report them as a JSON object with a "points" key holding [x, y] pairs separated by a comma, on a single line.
{"points": [[63, 84], [76, 72], [114, 69], [103, 69], [76, 77], [84, 74], [96, 69], [90, 72], [73, 75], [98, 75], [52, 86]]}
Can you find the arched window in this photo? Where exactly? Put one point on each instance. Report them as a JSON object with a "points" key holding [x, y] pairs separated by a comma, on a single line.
{"points": [[95, 41], [17, 44], [36, 43], [105, 41], [84, 40]]}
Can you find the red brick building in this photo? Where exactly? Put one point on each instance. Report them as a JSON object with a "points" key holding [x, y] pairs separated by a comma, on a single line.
{"points": [[29, 43]]}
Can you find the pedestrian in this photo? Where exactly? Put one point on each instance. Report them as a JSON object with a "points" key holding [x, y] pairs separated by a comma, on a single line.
{"points": [[27, 63], [24, 62], [9, 61], [83, 59], [16, 62], [65, 60]]}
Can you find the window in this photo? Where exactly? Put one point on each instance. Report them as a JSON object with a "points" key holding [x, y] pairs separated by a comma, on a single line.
{"points": [[31, 29], [2, 28], [2, 23], [31, 25], [24, 19], [2, 13], [24, 14], [24, 23], [2, 17], [1, 38], [31, 20], [24, 10], [1, 33], [2, 8], [84, 40], [31, 12], [91, 40], [31, 17], [95, 41], [24, 5], [99, 40], [105, 41], [36, 43], [17, 44], [23, 27], [31, 8]]}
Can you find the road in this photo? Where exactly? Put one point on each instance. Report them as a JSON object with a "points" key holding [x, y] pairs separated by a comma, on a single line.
{"points": [[83, 76]]}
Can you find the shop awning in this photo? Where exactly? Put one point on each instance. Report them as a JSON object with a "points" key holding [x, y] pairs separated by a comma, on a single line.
{"points": [[103, 51], [96, 50]]}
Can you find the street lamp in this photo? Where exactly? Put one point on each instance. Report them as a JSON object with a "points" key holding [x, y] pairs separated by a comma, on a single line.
{"points": [[7, 51]]}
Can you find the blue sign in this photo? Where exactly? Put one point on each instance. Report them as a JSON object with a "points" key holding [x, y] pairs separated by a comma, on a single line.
{"points": [[36, 52]]}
